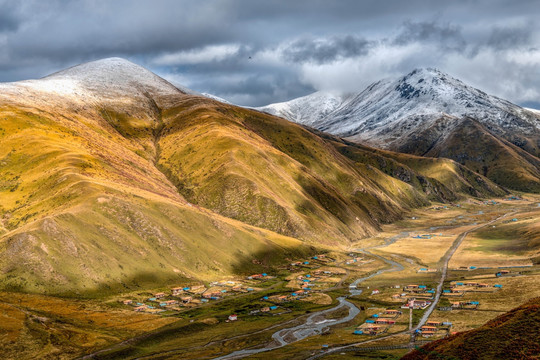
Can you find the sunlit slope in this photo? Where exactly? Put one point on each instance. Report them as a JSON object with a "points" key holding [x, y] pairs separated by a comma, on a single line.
{"points": [[112, 179], [82, 211], [274, 174], [439, 178]]}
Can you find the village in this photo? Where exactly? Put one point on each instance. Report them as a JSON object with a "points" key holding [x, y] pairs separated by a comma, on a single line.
{"points": [[400, 292], [305, 280]]}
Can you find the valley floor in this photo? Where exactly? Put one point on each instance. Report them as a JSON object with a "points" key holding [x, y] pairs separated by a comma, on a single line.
{"points": [[463, 264]]}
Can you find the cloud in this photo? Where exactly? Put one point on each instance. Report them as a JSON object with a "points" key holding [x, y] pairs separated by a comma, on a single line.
{"points": [[212, 53], [504, 38], [268, 51], [447, 36], [326, 50], [9, 18]]}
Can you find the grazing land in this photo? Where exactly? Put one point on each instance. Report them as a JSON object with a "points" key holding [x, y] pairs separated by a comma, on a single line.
{"points": [[490, 273]]}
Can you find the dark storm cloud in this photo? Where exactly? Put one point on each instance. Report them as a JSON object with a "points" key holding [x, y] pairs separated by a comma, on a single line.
{"points": [[447, 36], [273, 50], [503, 38], [9, 19], [326, 50]]}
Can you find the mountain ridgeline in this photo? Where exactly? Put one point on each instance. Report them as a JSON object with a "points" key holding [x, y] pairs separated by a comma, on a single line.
{"points": [[429, 113], [112, 179]]}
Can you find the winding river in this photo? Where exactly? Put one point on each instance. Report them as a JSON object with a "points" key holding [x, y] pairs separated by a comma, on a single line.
{"points": [[316, 323]]}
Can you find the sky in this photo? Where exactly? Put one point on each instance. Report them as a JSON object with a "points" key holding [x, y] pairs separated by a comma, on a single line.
{"points": [[253, 52]]}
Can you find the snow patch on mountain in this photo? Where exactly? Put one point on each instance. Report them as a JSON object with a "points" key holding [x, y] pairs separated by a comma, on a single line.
{"points": [[112, 81], [394, 108], [307, 110]]}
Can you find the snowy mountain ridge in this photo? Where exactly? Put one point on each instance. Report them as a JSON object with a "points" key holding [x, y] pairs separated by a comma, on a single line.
{"points": [[392, 109]]}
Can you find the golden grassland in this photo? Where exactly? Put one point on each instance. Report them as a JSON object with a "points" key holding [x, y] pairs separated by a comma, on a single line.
{"points": [[49, 327], [98, 201]]}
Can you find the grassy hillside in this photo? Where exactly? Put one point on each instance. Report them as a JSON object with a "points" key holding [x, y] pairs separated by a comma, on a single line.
{"points": [[513, 335], [471, 144], [439, 178], [130, 192]]}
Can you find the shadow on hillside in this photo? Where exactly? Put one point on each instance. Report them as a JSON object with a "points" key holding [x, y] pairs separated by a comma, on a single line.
{"points": [[270, 259]]}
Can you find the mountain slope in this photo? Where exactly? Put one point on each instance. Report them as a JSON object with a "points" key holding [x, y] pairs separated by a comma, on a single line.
{"points": [[425, 111], [513, 335], [139, 183]]}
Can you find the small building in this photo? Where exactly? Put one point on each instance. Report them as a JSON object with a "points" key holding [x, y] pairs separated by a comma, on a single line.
{"points": [[498, 286], [160, 295], [273, 307], [127, 302], [433, 323], [265, 309], [358, 332], [417, 304], [482, 285], [177, 291], [233, 317], [186, 299], [139, 308], [171, 302], [374, 292], [197, 288]]}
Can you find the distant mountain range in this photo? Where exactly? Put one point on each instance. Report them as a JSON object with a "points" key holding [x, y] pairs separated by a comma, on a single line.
{"points": [[429, 113], [113, 179]]}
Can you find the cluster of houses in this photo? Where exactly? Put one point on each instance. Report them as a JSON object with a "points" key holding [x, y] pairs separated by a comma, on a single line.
{"points": [[431, 328], [295, 295], [506, 273], [355, 260], [317, 258], [416, 304], [465, 305], [460, 287], [378, 323], [417, 296], [466, 268], [187, 296]]}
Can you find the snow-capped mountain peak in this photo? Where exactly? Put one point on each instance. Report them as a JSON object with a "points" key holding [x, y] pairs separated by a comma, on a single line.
{"points": [[107, 82], [390, 110]]}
